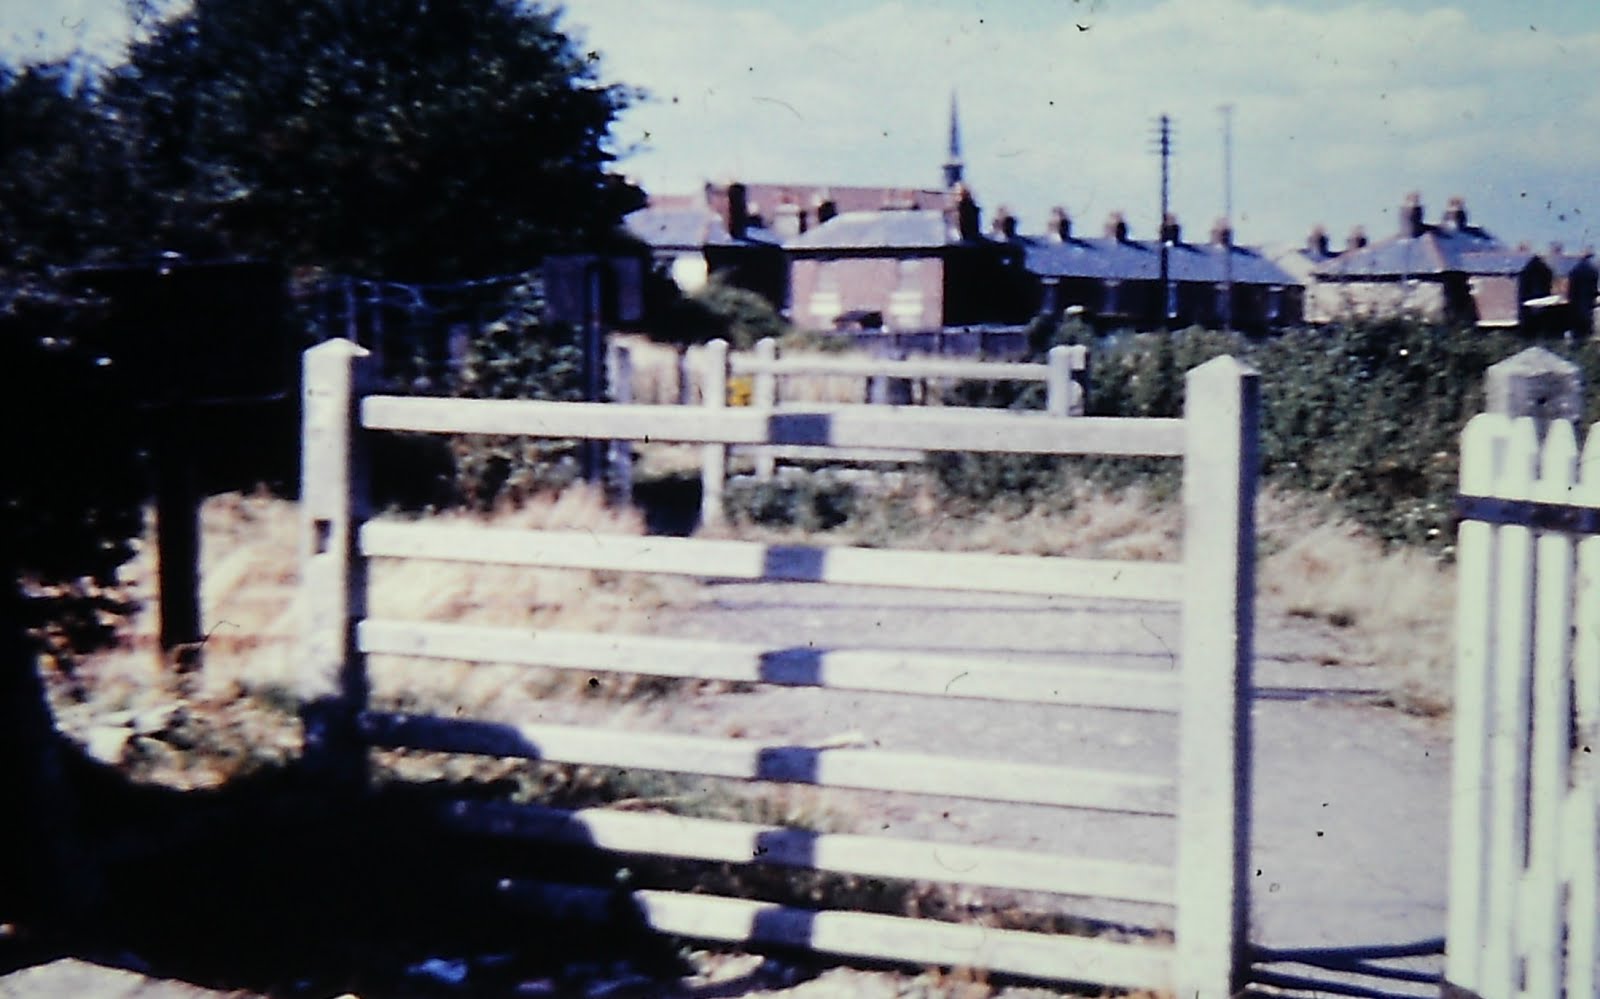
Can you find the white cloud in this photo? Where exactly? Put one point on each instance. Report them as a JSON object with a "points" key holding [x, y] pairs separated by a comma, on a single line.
{"points": [[1341, 108]]}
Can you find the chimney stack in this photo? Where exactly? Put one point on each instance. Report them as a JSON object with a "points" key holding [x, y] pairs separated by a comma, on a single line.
{"points": [[1455, 213], [789, 221], [1356, 240], [1317, 242], [1170, 232], [827, 208], [969, 221], [1221, 233], [738, 210], [1060, 225], [1004, 224], [1411, 224], [1117, 227]]}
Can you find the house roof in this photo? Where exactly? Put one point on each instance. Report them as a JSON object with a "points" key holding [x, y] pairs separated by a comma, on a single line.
{"points": [[691, 228], [1437, 250], [1106, 258], [1563, 264], [1496, 262], [877, 230]]}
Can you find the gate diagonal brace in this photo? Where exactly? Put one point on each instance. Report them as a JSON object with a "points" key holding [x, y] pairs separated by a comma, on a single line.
{"points": [[1529, 513]]}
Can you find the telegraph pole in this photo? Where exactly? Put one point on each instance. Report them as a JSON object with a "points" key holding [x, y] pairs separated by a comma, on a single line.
{"points": [[1227, 216], [1164, 150]]}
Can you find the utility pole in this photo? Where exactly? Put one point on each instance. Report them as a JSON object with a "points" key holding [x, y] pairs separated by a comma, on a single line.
{"points": [[1227, 216], [1164, 150]]}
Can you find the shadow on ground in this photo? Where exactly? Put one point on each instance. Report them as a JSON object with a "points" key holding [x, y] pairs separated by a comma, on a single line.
{"points": [[271, 885]]}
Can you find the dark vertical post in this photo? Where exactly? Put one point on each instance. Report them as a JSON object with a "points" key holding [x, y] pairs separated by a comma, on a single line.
{"points": [[594, 350], [1164, 148], [177, 492]]}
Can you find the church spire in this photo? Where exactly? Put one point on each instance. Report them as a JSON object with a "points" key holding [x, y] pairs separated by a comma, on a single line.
{"points": [[952, 164]]}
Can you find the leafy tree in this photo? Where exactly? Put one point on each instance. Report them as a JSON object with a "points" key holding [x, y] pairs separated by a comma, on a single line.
{"points": [[66, 194], [409, 139]]}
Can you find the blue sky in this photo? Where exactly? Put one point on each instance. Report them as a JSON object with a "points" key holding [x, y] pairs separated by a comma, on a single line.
{"points": [[1340, 106]]}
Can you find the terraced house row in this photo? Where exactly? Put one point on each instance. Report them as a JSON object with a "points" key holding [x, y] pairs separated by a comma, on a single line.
{"points": [[921, 259]]}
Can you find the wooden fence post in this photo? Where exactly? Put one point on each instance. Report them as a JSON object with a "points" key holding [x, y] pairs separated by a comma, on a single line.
{"points": [[619, 454], [714, 457], [764, 395], [333, 505], [1214, 780], [1535, 383], [1066, 390]]}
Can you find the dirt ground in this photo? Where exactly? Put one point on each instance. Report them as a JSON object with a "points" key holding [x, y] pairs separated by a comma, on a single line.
{"points": [[1350, 799]]}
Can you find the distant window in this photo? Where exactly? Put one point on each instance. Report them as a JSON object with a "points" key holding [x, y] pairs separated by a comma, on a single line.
{"points": [[1274, 303], [909, 267], [1111, 289], [1172, 299]]}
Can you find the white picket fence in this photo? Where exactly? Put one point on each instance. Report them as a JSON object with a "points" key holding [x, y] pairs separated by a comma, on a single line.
{"points": [[1206, 885], [1064, 374], [1524, 916]]}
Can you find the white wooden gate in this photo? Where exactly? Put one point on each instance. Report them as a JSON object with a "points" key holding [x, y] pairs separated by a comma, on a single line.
{"points": [[1214, 583], [1524, 884]]}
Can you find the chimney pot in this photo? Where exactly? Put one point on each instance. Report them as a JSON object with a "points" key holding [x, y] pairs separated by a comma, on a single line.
{"points": [[1411, 224], [738, 210], [1222, 233], [1117, 227], [1060, 225], [1170, 231], [1357, 239], [1455, 213], [1317, 242], [1004, 224]]}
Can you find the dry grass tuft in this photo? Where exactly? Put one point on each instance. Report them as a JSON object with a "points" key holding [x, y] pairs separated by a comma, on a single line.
{"points": [[1397, 605], [236, 711]]}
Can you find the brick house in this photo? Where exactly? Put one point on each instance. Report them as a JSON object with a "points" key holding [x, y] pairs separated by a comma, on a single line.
{"points": [[1114, 280], [911, 269], [1451, 271]]}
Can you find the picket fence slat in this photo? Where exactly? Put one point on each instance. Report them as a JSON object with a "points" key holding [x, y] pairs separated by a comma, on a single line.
{"points": [[863, 769], [684, 837], [749, 560], [1581, 844], [846, 669], [1474, 656], [919, 428], [1509, 722], [1550, 756], [919, 942]]}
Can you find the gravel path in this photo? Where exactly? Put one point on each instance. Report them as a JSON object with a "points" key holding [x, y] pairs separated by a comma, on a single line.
{"points": [[1351, 803]]}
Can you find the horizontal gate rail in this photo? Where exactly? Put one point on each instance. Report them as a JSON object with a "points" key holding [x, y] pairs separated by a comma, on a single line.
{"points": [[1205, 889], [889, 671], [927, 429], [859, 769], [871, 936], [749, 560], [869, 856]]}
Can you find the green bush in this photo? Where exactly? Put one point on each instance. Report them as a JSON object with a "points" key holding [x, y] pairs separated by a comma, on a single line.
{"points": [[517, 356], [1367, 414]]}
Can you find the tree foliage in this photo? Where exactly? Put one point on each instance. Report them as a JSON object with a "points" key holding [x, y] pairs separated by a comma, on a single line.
{"points": [[408, 139]]}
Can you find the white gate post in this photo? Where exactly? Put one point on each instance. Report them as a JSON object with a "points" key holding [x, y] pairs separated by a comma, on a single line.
{"points": [[714, 457], [1219, 486], [333, 505], [1065, 390], [764, 395]]}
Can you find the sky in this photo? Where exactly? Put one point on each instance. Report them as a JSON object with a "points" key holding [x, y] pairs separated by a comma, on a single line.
{"points": [[1339, 107]]}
